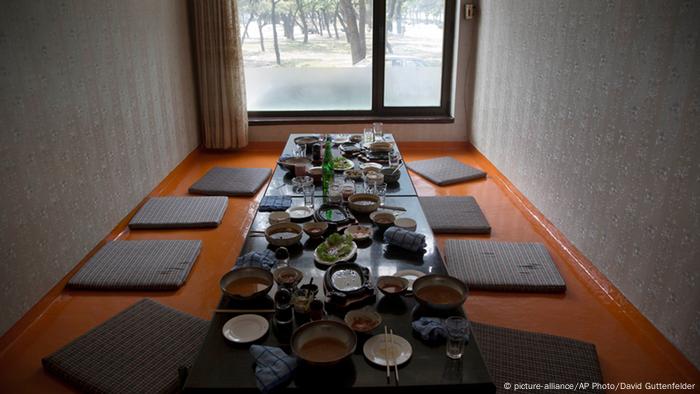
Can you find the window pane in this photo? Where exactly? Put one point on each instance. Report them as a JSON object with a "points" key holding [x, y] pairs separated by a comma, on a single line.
{"points": [[322, 59], [413, 53]]}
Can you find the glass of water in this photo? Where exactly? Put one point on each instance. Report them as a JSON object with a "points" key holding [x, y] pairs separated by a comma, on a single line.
{"points": [[309, 189], [457, 328], [368, 135], [335, 195], [378, 128], [380, 191]]}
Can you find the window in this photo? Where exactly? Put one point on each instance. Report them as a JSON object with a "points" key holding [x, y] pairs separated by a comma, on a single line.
{"points": [[347, 57]]}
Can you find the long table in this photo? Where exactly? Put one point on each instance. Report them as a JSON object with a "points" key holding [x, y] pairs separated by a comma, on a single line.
{"points": [[222, 365]]}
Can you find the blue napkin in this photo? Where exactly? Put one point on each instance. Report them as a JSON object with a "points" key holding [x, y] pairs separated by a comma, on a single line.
{"points": [[274, 203], [274, 368], [409, 240], [264, 259], [432, 329]]}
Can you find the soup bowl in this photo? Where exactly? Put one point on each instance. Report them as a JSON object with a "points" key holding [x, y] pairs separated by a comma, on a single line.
{"points": [[440, 292], [283, 234], [323, 342], [246, 283], [392, 286]]}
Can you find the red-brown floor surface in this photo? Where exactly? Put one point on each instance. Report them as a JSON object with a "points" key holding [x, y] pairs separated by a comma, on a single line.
{"points": [[630, 349]]}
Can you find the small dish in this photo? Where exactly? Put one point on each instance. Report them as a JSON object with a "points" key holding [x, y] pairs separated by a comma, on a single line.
{"points": [[392, 286], [380, 147], [407, 224], [283, 234], [315, 229], [278, 217], [359, 233], [383, 220], [398, 351], [287, 276], [356, 138], [342, 164], [245, 328], [300, 212], [355, 175], [375, 166], [363, 320], [410, 276]]}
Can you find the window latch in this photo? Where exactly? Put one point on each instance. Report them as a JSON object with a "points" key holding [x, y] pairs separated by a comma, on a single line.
{"points": [[468, 11]]}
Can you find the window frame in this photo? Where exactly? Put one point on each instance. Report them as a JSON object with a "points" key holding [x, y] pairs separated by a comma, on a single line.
{"points": [[437, 114]]}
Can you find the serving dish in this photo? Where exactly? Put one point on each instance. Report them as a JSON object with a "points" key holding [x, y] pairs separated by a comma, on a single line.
{"points": [[355, 175], [306, 140], [349, 148], [341, 163], [440, 292], [246, 283], [356, 138], [363, 203], [335, 215], [283, 234], [288, 277], [380, 146], [336, 248], [363, 320], [323, 342]]}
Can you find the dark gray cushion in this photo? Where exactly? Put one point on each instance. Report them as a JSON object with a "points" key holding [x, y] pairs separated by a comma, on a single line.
{"points": [[138, 265], [445, 170], [137, 351], [455, 215], [180, 212], [514, 356], [220, 181], [503, 266]]}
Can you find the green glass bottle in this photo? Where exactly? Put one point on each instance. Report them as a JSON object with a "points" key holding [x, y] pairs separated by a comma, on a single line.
{"points": [[327, 167]]}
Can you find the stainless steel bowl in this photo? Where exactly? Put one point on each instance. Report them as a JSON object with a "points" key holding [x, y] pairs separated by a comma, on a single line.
{"points": [[324, 329], [440, 281], [246, 272]]}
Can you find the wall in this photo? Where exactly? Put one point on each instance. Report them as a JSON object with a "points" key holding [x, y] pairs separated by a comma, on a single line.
{"points": [[406, 131], [97, 106], [591, 109]]}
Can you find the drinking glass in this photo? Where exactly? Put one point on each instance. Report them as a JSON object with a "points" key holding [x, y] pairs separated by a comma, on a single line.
{"points": [[299, 182], [368, 135], [380, 191], [348, 189], [394, 159], [309, 189], [335, 195], [378, 128], [457, 328], [300, 151]]}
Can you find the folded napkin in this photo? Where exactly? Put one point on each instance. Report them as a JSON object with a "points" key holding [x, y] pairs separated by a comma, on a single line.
{"points": [[432, 329], [263, 259], [274, 368], [404, 239], [275, 203]]}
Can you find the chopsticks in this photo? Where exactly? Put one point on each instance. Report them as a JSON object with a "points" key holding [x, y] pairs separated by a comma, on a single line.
{"points": [[389, 338]]}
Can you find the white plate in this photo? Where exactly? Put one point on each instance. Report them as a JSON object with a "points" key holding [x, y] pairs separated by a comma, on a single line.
{"points": [[300, 212], [344, 258], [350, 165], [410, 276], [375, 350], [245, 328]]}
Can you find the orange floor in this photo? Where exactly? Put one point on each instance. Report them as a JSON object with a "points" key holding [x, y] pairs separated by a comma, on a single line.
{"points": [[630, 349]]}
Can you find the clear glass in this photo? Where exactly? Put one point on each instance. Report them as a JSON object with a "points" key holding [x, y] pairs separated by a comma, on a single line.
{"points": [[457, 328], [348, 189], [368, 135], [335, 195], [413, 56], [299, 181], [308, 59], [378, 128], [394, 159], [380, 191], [308, 190]]}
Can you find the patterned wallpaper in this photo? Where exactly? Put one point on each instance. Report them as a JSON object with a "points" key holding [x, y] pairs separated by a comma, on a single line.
{"points": [[592, 109], [96, 107]]}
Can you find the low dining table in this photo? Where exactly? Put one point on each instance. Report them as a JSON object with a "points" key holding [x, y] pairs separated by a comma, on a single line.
{"points": [[225, 366]]}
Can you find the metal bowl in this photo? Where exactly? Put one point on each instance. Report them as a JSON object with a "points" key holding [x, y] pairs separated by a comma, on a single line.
{"points": [[321, 331], [363, 202], [246, 272], [283, 228], [448, 284]]}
